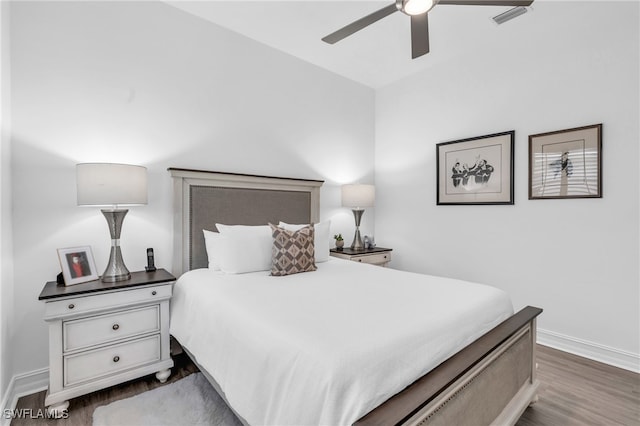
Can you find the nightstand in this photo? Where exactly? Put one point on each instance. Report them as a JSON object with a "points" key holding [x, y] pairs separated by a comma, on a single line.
{"points": [[376, 256], [103, 334]]}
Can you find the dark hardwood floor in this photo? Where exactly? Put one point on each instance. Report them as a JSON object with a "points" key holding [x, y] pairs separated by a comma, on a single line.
{"points": [[573, 391], [578, 391]]}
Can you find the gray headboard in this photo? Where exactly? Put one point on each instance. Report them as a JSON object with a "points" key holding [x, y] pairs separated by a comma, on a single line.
{"points": [[201, 199]]}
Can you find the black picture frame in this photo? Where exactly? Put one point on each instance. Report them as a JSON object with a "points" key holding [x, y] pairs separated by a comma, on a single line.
{"points": [[476, 171], [566, 164]]}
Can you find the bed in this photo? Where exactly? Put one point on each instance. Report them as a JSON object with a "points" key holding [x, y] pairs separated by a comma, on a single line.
{"points": [[369, 345]]}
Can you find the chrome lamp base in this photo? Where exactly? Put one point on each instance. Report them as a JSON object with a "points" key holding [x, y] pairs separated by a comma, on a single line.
{"points": [[357, 243], [116, 269]]}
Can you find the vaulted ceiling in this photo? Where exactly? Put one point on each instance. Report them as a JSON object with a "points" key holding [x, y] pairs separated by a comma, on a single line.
{"points": [[375, 56]]}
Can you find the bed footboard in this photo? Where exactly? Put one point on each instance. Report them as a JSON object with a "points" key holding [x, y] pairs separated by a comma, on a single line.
{"points": [[490, 382], [487, 389]]}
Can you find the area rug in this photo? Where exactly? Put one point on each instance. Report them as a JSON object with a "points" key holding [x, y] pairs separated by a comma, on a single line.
{"points": [[188, 401]]}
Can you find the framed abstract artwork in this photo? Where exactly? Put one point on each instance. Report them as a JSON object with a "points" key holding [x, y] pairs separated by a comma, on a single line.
{"points": [[476, 170], [566, 163], [77, 265]]}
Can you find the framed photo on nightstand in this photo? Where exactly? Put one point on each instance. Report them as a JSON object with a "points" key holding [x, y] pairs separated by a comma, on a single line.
{"points": [[77, 265]]}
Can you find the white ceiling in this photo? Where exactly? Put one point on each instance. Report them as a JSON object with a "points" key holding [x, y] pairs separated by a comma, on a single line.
{"points": [[375, 56]]}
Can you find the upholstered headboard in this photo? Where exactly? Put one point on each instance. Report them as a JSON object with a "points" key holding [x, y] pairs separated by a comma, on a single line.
{"points": [[201, 199]]}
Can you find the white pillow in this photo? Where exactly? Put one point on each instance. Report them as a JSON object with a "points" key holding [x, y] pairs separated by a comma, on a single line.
{"points": [[321, 238], [245, 248], [243, 229], [212, 242]]}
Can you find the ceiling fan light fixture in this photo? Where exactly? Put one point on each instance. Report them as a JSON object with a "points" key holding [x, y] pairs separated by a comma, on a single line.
{"points": [[417, 7]]}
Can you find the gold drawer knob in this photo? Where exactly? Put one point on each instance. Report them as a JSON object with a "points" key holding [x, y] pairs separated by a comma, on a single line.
{"points": [[116, 326], [71, 306], [116, 358]]}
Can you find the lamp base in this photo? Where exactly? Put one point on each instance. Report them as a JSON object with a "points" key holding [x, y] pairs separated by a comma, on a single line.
{"points": [[357, 243], [116, 270]]}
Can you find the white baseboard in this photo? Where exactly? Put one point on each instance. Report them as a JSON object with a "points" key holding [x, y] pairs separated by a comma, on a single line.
{"points": [[20, 385], [595, 351]]}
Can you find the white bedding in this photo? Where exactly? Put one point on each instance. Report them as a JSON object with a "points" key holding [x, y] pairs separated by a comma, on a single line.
{"points": [[325, 347]]}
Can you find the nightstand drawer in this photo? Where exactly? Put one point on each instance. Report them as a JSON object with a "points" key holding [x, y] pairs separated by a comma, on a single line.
{"points": [[91, 331], [104, 301], [376, 259], [110, 360]]}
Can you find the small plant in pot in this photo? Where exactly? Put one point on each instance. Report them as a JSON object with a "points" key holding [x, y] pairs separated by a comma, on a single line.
{"points": [[339, 241]]}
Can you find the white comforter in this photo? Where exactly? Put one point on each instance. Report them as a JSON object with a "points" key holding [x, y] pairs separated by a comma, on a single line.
{"points": [[325, 347]]}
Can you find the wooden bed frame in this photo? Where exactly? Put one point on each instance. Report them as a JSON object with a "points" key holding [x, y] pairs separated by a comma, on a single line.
{"points": [[491, 381]]}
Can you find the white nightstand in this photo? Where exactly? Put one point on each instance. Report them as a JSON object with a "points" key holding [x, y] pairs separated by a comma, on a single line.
{"points": [[103, 334], [376, 256]]}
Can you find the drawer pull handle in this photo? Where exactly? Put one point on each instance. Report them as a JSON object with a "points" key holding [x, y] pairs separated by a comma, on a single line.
{"points": [[153, 293], [71, 306], [116, 358], [359, 260], [116, 326], [385, 257]]}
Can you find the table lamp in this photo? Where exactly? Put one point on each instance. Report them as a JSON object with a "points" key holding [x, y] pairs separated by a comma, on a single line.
{"points": [[358, 196], [112, 186]]}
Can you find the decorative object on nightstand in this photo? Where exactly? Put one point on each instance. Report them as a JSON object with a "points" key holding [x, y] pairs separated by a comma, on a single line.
{"points": [[77, 265], [376, 256], [339, 241], [358, 196], [113, 185], [102, 334], [369, 242]]}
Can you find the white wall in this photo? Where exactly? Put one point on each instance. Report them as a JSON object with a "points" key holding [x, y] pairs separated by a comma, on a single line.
{"points": [[567, 64], [144, 83], [6, 249]]}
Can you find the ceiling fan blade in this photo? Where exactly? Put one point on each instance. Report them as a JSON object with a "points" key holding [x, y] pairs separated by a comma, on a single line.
{"points": [[488, 2], [359, 24], [419, 35]]}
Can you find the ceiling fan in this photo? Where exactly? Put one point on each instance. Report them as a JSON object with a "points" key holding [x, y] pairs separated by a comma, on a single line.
{"points": [[417, 10]]}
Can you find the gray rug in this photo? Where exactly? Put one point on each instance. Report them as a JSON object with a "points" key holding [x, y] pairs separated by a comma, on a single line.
{"points": [[189, 401]]}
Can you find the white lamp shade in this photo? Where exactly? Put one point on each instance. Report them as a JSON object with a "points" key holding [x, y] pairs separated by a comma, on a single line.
{"points": [[107, 184], [358, 195]]}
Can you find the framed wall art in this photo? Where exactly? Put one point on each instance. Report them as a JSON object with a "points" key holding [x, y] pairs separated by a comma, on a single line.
{"points": [[476, 170], [77, 265], [566, 163]]}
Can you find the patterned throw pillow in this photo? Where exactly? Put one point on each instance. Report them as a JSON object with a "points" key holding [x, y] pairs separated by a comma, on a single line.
{"points": [[292, 251]]}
